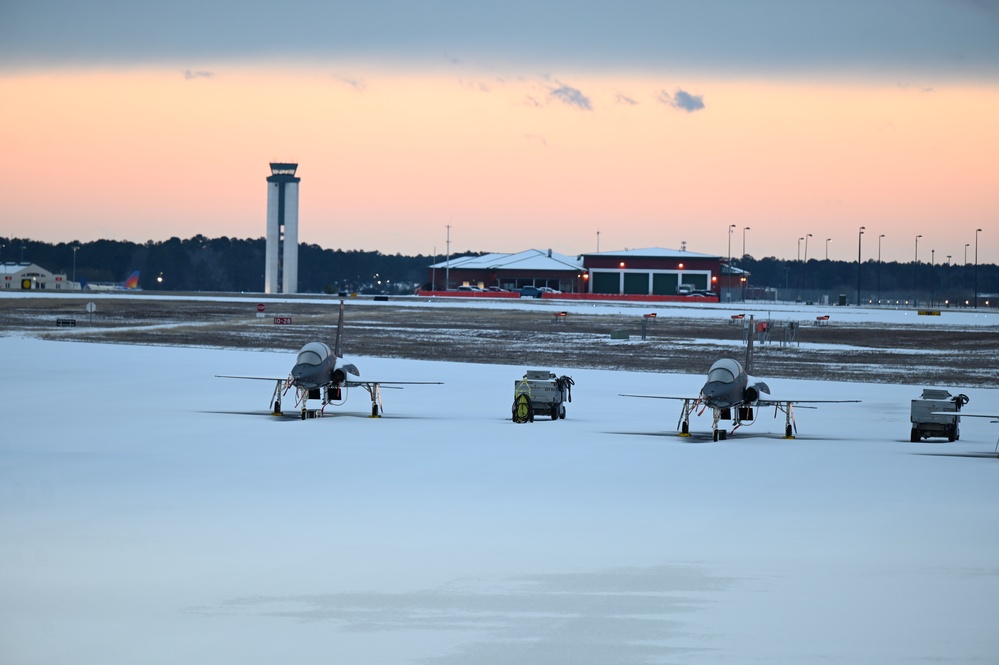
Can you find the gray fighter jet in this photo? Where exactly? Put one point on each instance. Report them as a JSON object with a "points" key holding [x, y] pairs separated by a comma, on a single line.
{"points": [[317, 375], [730, 396]]}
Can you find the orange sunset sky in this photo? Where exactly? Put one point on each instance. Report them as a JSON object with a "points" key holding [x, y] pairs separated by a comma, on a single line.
{"points": [[172, 136]]}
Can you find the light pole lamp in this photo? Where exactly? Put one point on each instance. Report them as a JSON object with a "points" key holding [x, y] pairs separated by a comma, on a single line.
{"points": [[827, 248], [744, 241], [860, 244], [807, 236], [799, 248], [915, 268]]}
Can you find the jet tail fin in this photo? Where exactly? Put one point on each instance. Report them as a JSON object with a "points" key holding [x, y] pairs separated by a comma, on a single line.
{"points": [[338, 343]]}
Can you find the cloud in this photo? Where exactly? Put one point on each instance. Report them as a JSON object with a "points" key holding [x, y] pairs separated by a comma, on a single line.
{"points": [[191, 75], [571, 96], [681, 100], [620, 98], [536, 138], [357, 84]]}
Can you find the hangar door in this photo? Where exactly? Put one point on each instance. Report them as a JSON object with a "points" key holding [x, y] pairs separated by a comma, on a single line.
{"points": [[605, 282], [636, 283]]}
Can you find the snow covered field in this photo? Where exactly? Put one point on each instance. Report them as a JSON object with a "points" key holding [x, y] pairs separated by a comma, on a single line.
{"points": [[150, 513]]}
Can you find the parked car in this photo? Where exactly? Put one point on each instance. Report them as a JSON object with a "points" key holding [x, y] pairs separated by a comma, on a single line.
{"points": [[466, 287], [496, 289], [685, 290], [530, 292], [545, 289]]}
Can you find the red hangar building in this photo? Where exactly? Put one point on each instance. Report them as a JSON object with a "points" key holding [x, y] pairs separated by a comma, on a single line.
{"points": [[653, 271]]}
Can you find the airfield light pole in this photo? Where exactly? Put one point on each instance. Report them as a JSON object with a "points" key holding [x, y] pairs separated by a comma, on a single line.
{"points": [[74, 263], [933, 289], [433, 272], [799, 248], [746, 228], [860, 241], [948, 280], [879, 267], [447, 261], [977, 231], [964, 281], [728, 282], [827, 248], [915, 273]]}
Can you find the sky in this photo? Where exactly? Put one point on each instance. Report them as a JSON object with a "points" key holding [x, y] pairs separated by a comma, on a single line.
{"points": [[573, 126]]}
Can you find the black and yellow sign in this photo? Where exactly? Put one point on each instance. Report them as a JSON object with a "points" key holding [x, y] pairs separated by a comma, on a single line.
{"points": [[929, 312], [25, 283]]}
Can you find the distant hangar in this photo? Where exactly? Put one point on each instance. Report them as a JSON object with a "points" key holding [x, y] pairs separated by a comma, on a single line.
{"points": [[631, 272]]}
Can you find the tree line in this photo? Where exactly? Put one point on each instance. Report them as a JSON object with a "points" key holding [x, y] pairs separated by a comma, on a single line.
{"points": [[875, 281], [218, 264], [237, 264]]}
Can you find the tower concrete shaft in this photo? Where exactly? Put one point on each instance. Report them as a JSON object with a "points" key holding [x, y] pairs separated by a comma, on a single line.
{"points": [[281, 251]]}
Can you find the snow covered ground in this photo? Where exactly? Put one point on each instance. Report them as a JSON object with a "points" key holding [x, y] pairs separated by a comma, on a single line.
{"points": [[151, 513]]}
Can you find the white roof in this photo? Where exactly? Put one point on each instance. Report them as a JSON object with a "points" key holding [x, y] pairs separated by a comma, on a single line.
{"points": [[656, 253], [530, 259], [14, 268]]}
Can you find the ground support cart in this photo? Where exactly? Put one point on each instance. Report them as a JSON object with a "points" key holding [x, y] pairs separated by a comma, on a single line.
{"points": [[540, 392], [930, 415]]}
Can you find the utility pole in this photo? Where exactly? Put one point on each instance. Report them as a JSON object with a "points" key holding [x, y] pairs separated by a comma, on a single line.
{"points": [[879, 267], [447, 263], [977, 231], [915, 274], [860, 240]]}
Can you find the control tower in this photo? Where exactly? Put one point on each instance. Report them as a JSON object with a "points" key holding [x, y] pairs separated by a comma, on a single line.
{"points": [[281, 254]]}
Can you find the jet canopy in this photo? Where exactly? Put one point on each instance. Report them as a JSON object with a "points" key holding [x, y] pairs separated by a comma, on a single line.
{"points": [[313, 353], [725, 370]]}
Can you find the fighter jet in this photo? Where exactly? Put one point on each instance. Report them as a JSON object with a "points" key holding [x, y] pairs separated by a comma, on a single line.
{"points": [[317, 375], [730, 396]]}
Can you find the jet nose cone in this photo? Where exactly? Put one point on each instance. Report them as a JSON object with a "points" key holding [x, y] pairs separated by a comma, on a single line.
{"points": [[302, 374]]}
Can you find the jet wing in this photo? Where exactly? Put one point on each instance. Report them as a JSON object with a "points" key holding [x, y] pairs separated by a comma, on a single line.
{"points": [[683, 399], [254, 378], [963, 414], [390, 384], [777, 402]]}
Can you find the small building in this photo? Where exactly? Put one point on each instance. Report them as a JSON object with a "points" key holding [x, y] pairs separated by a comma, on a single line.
{"points": [[531, 267], [28, 276], [651, 272]]}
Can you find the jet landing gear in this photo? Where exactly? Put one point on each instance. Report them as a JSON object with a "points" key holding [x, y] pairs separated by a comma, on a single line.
{"points": [[280, 389], [377, 409], [689, 406]]}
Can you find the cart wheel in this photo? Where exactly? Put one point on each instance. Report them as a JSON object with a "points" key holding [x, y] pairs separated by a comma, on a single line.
{"points": [[554, 412], [561, 412], [715, 435], [914, 435]]}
